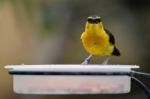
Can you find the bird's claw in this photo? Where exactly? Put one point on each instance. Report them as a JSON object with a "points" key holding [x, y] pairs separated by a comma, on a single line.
{"points": [[85, 62], [105, 62]]}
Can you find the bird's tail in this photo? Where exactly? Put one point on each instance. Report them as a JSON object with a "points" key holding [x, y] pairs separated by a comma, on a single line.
{"points": [[116, 52]]}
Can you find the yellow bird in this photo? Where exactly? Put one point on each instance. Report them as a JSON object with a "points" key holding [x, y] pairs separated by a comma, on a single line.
{"points": [[97, 40]]}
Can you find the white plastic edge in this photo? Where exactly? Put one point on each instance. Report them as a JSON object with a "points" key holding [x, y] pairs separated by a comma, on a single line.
{"points": [[70, 67]]}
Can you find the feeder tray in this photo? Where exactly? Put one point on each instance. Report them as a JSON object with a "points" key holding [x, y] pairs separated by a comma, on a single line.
{"points": [[71, 79]]}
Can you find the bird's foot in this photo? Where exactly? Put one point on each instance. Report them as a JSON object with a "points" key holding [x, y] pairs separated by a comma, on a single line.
{"points": [[105, 62], [87, 60]]}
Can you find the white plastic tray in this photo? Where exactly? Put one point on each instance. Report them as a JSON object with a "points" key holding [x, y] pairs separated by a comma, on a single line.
{"points": [[71, 79]]}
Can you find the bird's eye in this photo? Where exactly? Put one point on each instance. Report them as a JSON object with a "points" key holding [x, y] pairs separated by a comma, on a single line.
{"points": [[94, 20], [98, 20], [89, 20]]}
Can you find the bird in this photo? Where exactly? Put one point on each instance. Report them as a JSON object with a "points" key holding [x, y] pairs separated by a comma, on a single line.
{"points": [[97, 40]]}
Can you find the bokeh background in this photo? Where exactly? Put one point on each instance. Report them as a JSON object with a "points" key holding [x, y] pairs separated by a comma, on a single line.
{"points": [[48, 32]]}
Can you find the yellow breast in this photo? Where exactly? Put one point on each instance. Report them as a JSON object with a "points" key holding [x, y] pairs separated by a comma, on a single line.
{"points": [[97, 44]]}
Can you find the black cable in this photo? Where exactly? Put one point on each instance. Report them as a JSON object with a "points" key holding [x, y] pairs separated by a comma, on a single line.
{"points": [[135, 73], [142, 86]]}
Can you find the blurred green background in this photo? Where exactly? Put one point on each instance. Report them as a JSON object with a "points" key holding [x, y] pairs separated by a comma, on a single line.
{"points": [[48, 32]]}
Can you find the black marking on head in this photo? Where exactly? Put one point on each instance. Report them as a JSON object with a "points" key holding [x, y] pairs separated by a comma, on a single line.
{"points": [[94, 19]]}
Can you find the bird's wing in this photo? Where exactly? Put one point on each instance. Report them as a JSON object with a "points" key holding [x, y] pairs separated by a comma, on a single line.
{"points": [[116, 51], [111, 37]]}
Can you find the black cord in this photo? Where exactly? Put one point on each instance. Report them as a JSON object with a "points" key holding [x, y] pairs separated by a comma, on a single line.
{"points": [[141, 85], [135, 73]]}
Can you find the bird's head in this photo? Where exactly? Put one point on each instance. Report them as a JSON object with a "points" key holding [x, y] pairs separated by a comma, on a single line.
{"points": [[93, 24], [94, 19]]}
